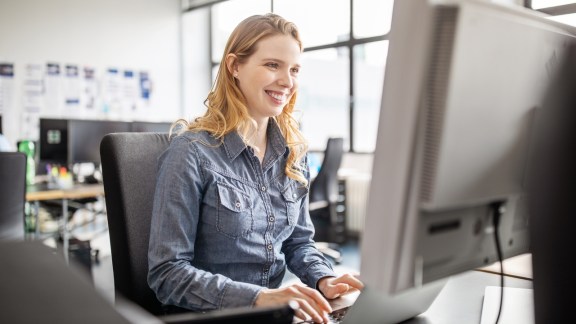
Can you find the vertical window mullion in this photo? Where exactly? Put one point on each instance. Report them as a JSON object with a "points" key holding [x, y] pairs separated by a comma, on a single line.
{"points": [[210, 14], [351, 80]]}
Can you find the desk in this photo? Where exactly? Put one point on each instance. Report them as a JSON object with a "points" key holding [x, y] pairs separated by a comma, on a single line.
{"points": [[461, 299], [459, 302], [79, 191], [41, 192]]}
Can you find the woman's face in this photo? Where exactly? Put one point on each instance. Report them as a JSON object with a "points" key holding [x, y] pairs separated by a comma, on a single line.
{"points": [[268, 79]]}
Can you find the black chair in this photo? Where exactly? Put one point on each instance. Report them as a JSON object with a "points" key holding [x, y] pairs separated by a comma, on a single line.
{"points": [[12, 195], [330, 229], [129, 166]]}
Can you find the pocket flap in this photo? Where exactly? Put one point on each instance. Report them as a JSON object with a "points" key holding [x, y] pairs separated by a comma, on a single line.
{"points": [[233, 198], [294, 192]]}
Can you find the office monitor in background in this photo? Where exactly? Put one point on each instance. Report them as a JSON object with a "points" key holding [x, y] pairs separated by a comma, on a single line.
{"points": [[86, 135], [53, 141], [463, 82]]}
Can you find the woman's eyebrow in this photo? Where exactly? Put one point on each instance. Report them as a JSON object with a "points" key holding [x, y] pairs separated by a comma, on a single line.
{"points": [[279, 61]]}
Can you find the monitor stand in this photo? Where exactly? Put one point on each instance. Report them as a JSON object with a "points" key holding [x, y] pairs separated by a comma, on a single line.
{"points": [[373, 306]]}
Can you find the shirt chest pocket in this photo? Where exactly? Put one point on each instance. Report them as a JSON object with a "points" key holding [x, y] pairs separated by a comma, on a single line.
{"points": [[293, 195], [234, 212]]}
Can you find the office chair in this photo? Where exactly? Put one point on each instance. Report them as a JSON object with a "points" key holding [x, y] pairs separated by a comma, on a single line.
{"points": [[129, 163], [329, 226], [12, 195]]}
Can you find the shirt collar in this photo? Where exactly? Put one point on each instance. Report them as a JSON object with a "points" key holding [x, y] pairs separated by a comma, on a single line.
{"points": [[234, 145]]}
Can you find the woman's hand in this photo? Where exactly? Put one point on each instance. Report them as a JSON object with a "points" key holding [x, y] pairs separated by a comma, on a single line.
{"points": [[309, 300], [334, 287]]}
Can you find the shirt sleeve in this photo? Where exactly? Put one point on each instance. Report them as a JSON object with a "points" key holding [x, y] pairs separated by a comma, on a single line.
{"points": [[302, 256], [175, 217]]}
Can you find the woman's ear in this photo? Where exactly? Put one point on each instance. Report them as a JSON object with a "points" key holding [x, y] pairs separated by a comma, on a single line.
{"points": [[232, 64]]}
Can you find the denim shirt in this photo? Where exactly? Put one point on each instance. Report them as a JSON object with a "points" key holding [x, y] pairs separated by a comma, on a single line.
{"points": [[224, 226]]}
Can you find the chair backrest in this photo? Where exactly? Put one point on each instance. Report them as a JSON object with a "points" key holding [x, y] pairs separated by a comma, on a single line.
{"points": [[12, 195], [129, 166], [325, 185]]}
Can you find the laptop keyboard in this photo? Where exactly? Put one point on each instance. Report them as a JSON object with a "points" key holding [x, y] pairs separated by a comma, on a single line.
{"points": [[335, 317]]}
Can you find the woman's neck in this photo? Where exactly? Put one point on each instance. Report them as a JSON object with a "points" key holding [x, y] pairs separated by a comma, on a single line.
{"points": [[259, 140]]}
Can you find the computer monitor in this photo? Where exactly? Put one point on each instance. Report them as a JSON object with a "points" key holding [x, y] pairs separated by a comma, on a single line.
{"points": [[553, 206], [463, 82], [156, 127], [85, 137], [53, 141]]}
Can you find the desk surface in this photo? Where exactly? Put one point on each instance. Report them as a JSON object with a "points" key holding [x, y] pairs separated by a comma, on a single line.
{"points": [[78, 191], [461, 299]]}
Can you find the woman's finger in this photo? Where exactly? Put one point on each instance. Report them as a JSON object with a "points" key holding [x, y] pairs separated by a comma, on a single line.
{"points": [[317, 298], [310, 311], [351, 280]]}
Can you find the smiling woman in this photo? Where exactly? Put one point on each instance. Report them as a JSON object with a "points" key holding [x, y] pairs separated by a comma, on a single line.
{"points": [[230, 208]]}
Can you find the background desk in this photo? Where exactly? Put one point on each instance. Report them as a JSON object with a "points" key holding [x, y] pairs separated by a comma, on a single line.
{"points": [[78, 191], [41, 192]]}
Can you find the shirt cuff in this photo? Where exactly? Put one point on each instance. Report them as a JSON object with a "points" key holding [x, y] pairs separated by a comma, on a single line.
{"points": [[316, 272], [239, 294]]}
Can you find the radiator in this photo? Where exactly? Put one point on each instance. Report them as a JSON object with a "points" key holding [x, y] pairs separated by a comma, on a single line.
{"points": [[357, 187]]}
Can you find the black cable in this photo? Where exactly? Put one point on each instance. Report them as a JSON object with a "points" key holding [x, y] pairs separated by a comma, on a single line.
{"points": [[498, 210]]}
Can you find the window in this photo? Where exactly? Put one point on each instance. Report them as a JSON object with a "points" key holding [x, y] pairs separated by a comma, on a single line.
{"points": [[569, 19], [538, 4], [323, 96], [226, 15], [320, 22], [563, 11], [369, 62], [345, 48], [372, 18]]}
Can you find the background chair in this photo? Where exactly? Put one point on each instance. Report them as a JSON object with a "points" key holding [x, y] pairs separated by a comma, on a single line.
{"points": [[329, 225], [12, 195], [129, 163]]}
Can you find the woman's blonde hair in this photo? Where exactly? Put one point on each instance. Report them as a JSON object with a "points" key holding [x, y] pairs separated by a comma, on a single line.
{"points": [[227, 110]]}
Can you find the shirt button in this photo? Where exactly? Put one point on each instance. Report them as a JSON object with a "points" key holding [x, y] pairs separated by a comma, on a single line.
{"points": [[271, 219], [270, 246], [263, 188], [293, 195], [238, 204]]}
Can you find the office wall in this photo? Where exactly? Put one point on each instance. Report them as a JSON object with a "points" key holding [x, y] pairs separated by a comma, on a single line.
{"points": [[124, 34]]}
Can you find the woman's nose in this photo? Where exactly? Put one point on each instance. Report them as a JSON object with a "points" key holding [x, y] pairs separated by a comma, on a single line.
{"points": [[285, 79]]}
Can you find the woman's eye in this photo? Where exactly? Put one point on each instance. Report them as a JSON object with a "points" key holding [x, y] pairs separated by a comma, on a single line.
{"points": [[295, 70], [272, 65]]}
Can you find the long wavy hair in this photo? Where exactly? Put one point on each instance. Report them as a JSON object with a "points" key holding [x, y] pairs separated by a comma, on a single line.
{"points": [[227, 110]]}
